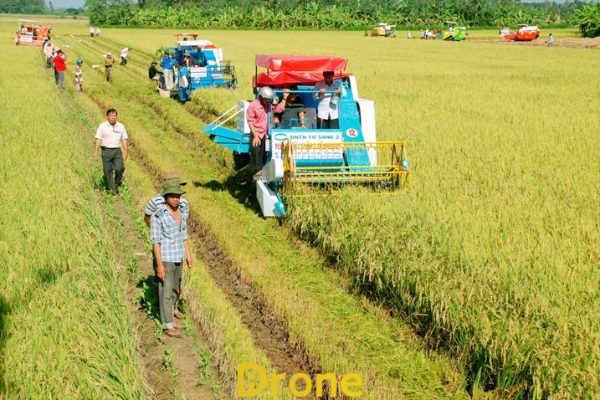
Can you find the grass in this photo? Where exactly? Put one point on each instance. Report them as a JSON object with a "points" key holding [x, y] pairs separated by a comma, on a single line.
{"points": [[501, 207], [491, 252], [65, 329], [355, 336]]}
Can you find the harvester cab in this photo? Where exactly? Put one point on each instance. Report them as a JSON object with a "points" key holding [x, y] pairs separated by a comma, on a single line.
{"points": [[455, 33], [301, 156], [31, 34], [199, 65], [525, 33], [385, 30]]}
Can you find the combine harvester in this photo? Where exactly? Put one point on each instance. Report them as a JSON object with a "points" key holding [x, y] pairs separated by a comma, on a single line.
{"points": [[199, 65], [525, 33], [31, 34], [305, 157], [384, 30], [455, 33]]}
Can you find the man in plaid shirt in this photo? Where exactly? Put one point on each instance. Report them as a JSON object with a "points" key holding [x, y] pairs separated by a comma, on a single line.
{"points": [[168, 233]]}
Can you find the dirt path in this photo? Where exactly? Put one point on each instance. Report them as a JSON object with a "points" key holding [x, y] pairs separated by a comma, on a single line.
{"points": [[175, 367]]}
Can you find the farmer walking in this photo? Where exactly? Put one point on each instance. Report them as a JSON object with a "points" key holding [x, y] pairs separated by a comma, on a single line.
{"points": [[152, 206], [109, 62], [168, 233], [110, 135]]}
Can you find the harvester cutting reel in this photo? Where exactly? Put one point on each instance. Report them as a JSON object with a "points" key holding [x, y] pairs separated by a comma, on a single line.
{"points": [[376, 164]]}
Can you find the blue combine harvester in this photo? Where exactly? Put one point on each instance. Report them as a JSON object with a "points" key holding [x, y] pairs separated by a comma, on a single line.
{"points": [[300, 154], [198, 64]]}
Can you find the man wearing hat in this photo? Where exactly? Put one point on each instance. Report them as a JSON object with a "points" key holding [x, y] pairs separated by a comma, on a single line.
{"points": [[109, 62], [168, 233], [153, 72], [59, 68], [153, 205]]}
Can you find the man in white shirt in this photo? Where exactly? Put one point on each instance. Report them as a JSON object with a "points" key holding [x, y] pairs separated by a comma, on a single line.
{"points": [[110, 135], [91, 31], [124, 54], [328, 95]]}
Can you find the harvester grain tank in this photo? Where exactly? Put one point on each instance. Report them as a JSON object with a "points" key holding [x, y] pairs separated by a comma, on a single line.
{"points": [[199, 65], [525, 33], [300, 156], [31, 34]]}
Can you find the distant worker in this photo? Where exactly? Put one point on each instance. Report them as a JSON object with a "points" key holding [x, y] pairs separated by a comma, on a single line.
{"points": [[167, 63], [48, 53], [169, 236], [110, 136], [550, 40], [329, 91], [97, 31], [409, 35], [92, 31], [79, 75], [153, 72], [257, 116], [124, 54], [422, 34], [60, 66], [152, 206], [109, 63]]}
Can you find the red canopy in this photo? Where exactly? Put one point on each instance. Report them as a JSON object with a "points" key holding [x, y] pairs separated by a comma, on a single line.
{"points": [[285, 78], [301, 63]]}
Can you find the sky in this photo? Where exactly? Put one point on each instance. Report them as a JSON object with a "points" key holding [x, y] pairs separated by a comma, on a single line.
{"points": [[67, 3]]}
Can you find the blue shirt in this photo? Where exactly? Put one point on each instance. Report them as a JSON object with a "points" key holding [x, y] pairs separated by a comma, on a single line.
{"points": [[165, 231], [167, 62]]}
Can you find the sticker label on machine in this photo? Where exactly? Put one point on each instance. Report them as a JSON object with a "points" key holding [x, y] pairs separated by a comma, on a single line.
{"points": [[332, 153]]}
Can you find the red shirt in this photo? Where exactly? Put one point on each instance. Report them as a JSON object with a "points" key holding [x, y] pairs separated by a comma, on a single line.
{"points": [[257, 116], [59, 63]]}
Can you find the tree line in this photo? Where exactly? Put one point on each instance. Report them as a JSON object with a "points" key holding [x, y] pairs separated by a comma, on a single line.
{"points": [[326, 14]]}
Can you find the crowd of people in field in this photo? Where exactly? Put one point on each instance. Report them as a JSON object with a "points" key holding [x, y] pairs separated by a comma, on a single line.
{"points": [[56, 58]]}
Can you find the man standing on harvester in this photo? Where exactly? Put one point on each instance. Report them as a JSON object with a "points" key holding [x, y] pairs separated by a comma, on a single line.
{"points": [[257, 117], [328, 95]]}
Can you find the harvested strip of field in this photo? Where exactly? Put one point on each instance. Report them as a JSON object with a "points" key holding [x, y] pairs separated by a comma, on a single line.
{"points": [[231, 342], [343, 334], [65, 330]]}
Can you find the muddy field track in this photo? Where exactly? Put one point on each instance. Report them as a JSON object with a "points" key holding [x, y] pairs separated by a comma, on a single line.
{"points": [[269, 332]]}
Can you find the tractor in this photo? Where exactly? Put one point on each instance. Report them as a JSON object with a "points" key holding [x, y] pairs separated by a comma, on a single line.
{"points": [[525, 33], [455, 33], [384, 30], [31, 34], [197, 64], [301, 156]]}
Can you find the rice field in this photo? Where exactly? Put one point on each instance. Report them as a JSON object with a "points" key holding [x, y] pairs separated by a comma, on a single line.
{"points": [[491, 253]]}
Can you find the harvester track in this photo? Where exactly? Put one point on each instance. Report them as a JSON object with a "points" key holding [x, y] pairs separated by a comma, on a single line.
{"points": [[269, 332]]}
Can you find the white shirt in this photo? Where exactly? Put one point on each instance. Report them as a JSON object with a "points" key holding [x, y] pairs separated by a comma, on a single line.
{"points": [[326, 109], [111, 135], [91, 29], [124, 52]]}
